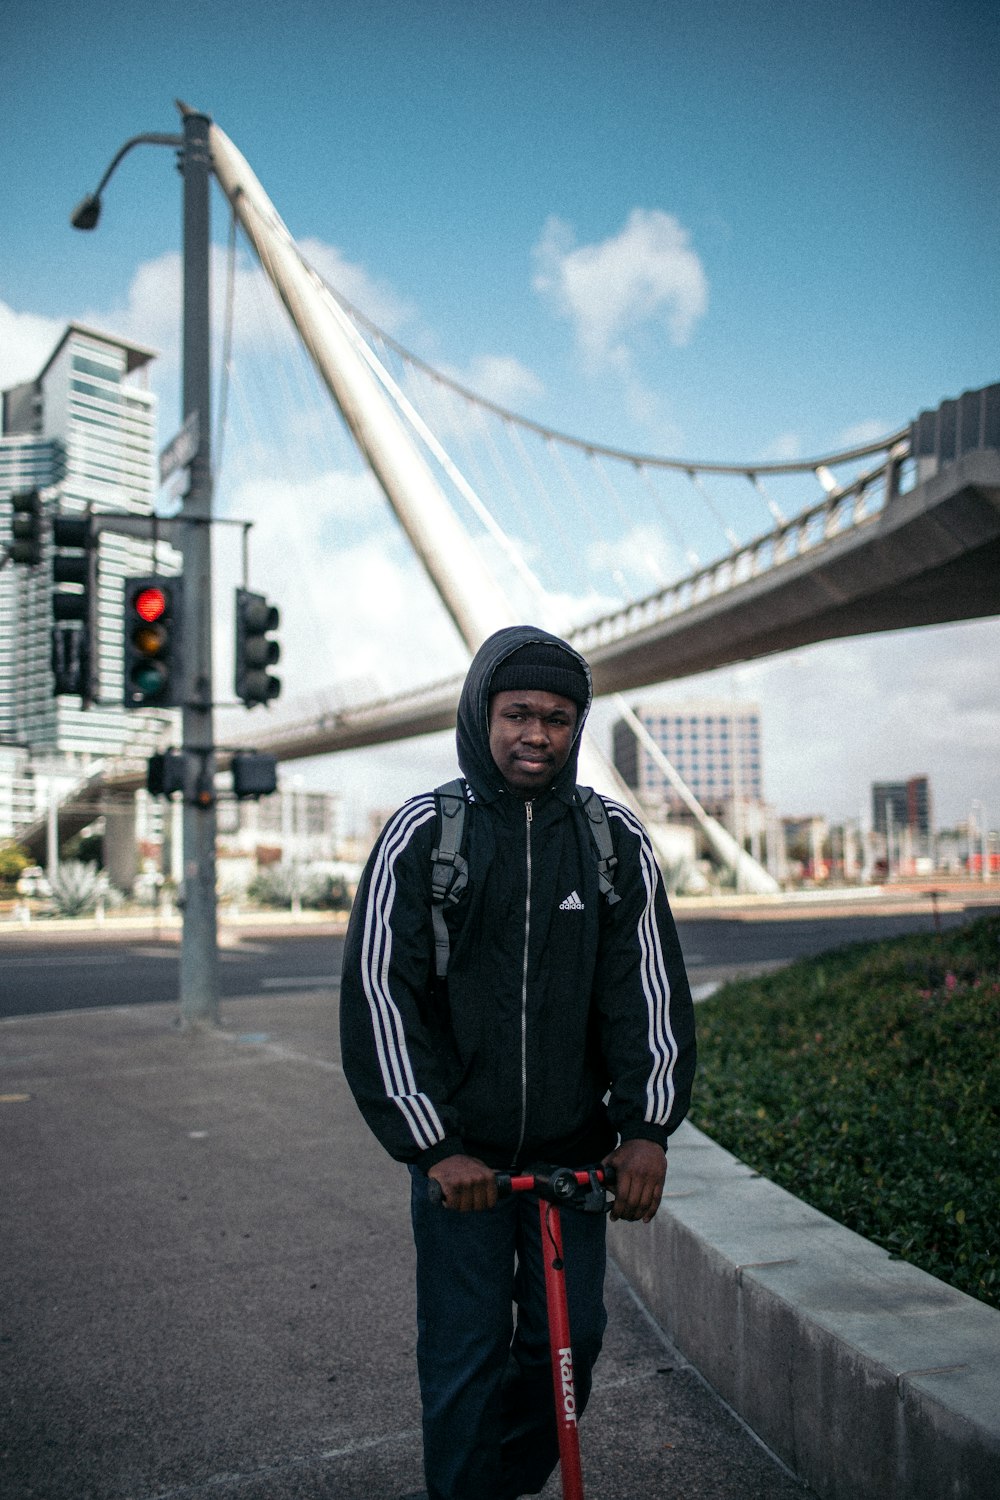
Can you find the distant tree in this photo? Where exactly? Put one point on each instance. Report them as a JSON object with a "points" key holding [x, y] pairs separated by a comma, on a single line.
{"points": [[14, 858], [88, 848]]}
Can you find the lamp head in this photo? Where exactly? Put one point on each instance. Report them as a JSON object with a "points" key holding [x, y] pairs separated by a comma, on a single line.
{"points": [[86, 213]]}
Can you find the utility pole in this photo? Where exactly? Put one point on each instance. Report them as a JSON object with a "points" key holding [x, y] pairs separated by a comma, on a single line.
{"points": [[199, 985], [199, 959]]}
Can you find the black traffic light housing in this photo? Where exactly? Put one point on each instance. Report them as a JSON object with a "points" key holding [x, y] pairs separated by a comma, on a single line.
{"points": [[152, 642], [73, 564], [255, 774], [26, 528], [165, 773], [255, 650]]}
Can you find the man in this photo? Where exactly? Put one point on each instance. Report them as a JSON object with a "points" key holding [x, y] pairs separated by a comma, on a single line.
{"points": [[557, 998]]}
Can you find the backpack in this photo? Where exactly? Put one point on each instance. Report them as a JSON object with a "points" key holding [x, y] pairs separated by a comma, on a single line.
{"points": [[450, 871]]}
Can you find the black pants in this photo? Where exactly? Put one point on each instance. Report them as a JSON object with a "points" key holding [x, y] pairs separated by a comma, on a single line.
{"points": [[486, 1382]]}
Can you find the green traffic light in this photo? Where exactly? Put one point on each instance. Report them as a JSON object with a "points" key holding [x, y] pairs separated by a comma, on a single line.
{"points": [[148, 680]]}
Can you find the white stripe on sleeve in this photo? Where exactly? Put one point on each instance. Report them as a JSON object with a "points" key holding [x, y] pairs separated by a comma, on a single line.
{"points": [[376, 954], [654, 978]]}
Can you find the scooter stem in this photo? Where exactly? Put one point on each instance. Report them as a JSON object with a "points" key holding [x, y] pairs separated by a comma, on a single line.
{"points": [[563, 1386]]}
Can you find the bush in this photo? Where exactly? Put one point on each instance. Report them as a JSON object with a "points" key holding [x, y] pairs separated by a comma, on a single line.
{"points": [[281, 885], [867, 1082], [76, 888], [13, 859]]}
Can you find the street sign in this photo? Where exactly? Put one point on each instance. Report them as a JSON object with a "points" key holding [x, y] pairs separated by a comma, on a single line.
{"points": [[181, 449]]}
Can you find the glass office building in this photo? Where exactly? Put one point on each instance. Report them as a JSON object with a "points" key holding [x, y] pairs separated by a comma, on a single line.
{"points": [[714, 745], [82, 433]]}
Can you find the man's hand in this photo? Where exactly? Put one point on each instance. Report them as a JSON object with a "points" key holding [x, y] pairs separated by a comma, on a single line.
{"points": [[467, 1183], [640, 1167]]}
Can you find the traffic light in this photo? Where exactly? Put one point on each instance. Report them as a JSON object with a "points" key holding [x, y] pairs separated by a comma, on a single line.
{"points": [[70, 661], [255, 650], [255, 774], [26, 528], [165, 773], [152, 657], [73, 563]]}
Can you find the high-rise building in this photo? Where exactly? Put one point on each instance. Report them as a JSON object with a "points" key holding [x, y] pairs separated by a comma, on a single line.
{"points": [[82, 433], [907, 803], [918, 805], [714, 745]]}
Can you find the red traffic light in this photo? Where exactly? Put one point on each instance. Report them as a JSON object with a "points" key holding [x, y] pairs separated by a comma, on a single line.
{"points": [[152, 665], [150, 604]]}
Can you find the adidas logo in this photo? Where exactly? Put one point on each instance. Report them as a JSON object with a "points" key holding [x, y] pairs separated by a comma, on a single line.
{"points": [[572, 903]]}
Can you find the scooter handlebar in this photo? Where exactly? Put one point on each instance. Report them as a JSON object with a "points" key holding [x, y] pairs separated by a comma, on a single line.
{"points": [[558, 1184]]}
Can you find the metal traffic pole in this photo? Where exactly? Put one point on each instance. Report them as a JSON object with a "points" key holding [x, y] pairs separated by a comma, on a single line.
{"points": [[199, 984]]}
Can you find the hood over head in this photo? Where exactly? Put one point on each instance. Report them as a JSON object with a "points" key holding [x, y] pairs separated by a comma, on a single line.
{"points": [[473, 733]]}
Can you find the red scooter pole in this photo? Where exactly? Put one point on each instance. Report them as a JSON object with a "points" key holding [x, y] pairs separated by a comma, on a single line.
{"points": [[563, 1386], [584, 1189]]}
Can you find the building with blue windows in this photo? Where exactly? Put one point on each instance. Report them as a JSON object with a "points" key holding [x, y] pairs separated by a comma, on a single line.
{"points": [[713, 744]]}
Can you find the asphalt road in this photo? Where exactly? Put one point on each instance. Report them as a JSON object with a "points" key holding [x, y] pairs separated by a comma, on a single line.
{"points": [[43, 973]]}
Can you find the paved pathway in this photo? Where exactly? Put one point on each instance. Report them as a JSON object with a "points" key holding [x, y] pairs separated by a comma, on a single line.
{"points": [[205, 1277]]}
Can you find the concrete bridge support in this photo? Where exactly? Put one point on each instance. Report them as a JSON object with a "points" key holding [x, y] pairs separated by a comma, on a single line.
{"points": [[121, 857]]}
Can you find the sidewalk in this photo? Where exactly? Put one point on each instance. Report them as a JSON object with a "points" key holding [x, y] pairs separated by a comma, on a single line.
{"points": [[205, 1276]]}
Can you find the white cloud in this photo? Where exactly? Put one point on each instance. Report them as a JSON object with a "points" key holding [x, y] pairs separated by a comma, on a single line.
{"points": [[151, 311], [862, 433], [500, 378], [840, 715], [456, 420], [375, 298], [354, 603], [788, 447], [639, 560], [647, 274], [785, 448], [26, 341]]}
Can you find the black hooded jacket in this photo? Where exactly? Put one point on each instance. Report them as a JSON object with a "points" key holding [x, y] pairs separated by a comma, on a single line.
{"points": [[553, 997]]}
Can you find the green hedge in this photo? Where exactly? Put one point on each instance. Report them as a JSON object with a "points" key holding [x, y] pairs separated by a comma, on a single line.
{"points": [[867, 1083]]}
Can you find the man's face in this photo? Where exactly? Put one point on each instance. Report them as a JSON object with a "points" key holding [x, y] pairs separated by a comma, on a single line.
{"points": [[531, 735]]}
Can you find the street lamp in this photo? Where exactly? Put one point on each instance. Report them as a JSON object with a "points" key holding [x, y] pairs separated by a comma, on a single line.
{"points": [[87, 212], [199, 989]]}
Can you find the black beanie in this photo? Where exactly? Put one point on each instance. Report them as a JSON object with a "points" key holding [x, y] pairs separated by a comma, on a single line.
{"points": [[545, 667]]}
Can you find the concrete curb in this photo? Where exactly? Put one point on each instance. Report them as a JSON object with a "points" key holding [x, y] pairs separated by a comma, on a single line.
{"points": [[865, 1375]]}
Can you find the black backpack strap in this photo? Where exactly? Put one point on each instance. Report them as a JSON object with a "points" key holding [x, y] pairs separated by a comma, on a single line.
{"points": [[450, 872], [600, 832]]}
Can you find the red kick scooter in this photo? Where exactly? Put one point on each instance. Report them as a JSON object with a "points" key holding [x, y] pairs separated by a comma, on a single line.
{"points": [[559, 1187]]}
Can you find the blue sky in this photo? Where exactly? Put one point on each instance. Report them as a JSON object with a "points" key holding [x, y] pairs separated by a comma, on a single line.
{"points": [[817, 184]]}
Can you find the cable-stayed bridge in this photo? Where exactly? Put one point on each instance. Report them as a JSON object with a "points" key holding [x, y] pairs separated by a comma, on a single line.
{"points": [[664, 569], [903, 531], [867, 558]]}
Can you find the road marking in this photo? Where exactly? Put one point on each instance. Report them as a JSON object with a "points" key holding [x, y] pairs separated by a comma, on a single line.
{"points": [[287, 1054], [74, 960], [14, 1098], [288, 1465], [300, 982]]}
